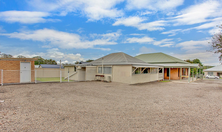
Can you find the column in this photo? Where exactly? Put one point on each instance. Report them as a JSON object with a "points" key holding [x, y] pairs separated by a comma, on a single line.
{"points": [[189, 75], [169, 73], [180, 73]]}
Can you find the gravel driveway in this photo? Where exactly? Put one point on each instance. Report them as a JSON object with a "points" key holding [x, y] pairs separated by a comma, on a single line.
{"points": [[100, 106]]}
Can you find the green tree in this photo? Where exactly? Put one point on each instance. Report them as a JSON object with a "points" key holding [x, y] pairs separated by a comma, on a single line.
{"points": [[3, 55], [89, 60], [216, 43], [21, 56], [41, 60]]}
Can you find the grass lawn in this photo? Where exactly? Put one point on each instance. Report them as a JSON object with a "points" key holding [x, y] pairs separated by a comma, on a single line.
{"points": [[51, 79]]}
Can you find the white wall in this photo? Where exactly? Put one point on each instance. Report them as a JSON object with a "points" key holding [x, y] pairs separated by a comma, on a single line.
{"points": [[90, 73], [143, 78], [122, 74]]}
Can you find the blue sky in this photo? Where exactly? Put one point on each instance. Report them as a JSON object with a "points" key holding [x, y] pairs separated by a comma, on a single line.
{"points": [[76, 30]]}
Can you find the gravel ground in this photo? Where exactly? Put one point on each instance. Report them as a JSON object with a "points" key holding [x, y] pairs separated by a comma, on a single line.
{"points": [[100, 106]]}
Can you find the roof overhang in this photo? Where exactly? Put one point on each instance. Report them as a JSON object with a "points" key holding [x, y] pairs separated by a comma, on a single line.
{"points": [[179, 65]]}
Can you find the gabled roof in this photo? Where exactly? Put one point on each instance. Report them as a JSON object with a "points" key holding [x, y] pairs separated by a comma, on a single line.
{"points": [[50, 66], [215, 69], [117, 58], [159, 58]]}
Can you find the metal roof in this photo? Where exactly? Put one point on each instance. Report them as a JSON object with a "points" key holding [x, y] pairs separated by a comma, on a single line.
{"points": [[119, 58], [159, 58], [50, 66], [179, 65], [215, 69], [116, 59]]}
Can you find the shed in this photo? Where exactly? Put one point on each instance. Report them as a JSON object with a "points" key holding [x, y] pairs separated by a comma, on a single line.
{"points": [[17, 70]]}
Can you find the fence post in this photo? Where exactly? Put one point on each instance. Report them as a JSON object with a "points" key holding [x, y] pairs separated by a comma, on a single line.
{"points": [[60, 76], [68, 76], [35, 76], [2, 77]]}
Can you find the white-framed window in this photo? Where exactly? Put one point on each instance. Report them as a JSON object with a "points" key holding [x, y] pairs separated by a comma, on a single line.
{"points": [[106, 70], [210, 73]]}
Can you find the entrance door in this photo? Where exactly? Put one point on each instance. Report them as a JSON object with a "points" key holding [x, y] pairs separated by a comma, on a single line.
{"points": [[25, 72]]}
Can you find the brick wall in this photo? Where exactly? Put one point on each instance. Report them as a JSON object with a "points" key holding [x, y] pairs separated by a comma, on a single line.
{"points": [[11, 71]]}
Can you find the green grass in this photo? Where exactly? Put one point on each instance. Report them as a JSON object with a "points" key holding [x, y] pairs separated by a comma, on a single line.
{"points": [[165, 81], [51, 79]]}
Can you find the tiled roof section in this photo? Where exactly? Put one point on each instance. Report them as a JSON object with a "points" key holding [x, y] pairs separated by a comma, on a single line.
{"points": [[155, 58]]}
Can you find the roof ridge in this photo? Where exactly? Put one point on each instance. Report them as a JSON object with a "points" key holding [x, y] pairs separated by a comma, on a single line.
{"points": [[124, 57]]}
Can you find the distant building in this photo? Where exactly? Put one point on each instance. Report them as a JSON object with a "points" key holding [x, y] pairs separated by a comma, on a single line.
{"points": [[50, 66], [216, 71]]}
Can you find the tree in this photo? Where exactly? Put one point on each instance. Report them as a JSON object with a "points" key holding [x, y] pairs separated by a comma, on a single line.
{"points": [[21, 56], [44, 61], [3, 55], [89, 60], [216, 43]]}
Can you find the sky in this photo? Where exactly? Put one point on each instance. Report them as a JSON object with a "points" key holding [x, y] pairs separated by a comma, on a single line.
{"points": [[78, 30]]}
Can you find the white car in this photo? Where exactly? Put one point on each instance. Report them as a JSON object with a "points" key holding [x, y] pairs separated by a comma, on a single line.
{"points": [[212, 77]]}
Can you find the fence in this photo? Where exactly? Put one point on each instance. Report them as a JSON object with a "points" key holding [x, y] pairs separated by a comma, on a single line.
{"points": [[34, 76]]}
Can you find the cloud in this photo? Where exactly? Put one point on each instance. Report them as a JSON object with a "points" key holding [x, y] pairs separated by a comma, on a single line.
{"points": [[148, 40], [55, 54], [2, 29], [139, 22], [65, 40], [153, 5], [192, 46], [207, 58], [93, 10], [212, 24], [146, 50], [198, 13], [172, 32], [26, 17], [139, 40]]}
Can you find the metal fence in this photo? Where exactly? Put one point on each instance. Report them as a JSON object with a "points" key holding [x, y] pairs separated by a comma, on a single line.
{"points": [[34, 76]]}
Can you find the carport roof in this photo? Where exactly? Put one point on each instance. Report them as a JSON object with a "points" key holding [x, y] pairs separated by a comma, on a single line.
{"points": [[215, 69]]}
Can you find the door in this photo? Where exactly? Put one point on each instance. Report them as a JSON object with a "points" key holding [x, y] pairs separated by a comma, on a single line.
{"points": [[25, 72]]}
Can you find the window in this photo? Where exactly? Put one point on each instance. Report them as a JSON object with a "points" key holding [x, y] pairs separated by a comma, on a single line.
{"points": [[106, 70], [184, 71], [160, 70], [178, 72], [210, 73], [74, 68], [168, 72]]}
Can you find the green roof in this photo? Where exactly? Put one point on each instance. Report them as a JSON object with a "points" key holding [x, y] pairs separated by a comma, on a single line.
{"points": [[159, 58]]}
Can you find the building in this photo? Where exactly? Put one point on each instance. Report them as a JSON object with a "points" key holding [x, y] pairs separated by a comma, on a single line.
{"points": [[174, 68], [50, 66], [17, 70], [115, 67], [49, 71], [216, 71]]}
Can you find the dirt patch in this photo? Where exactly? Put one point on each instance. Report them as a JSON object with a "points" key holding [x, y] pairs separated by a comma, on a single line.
{"points": [[99, 106]]}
